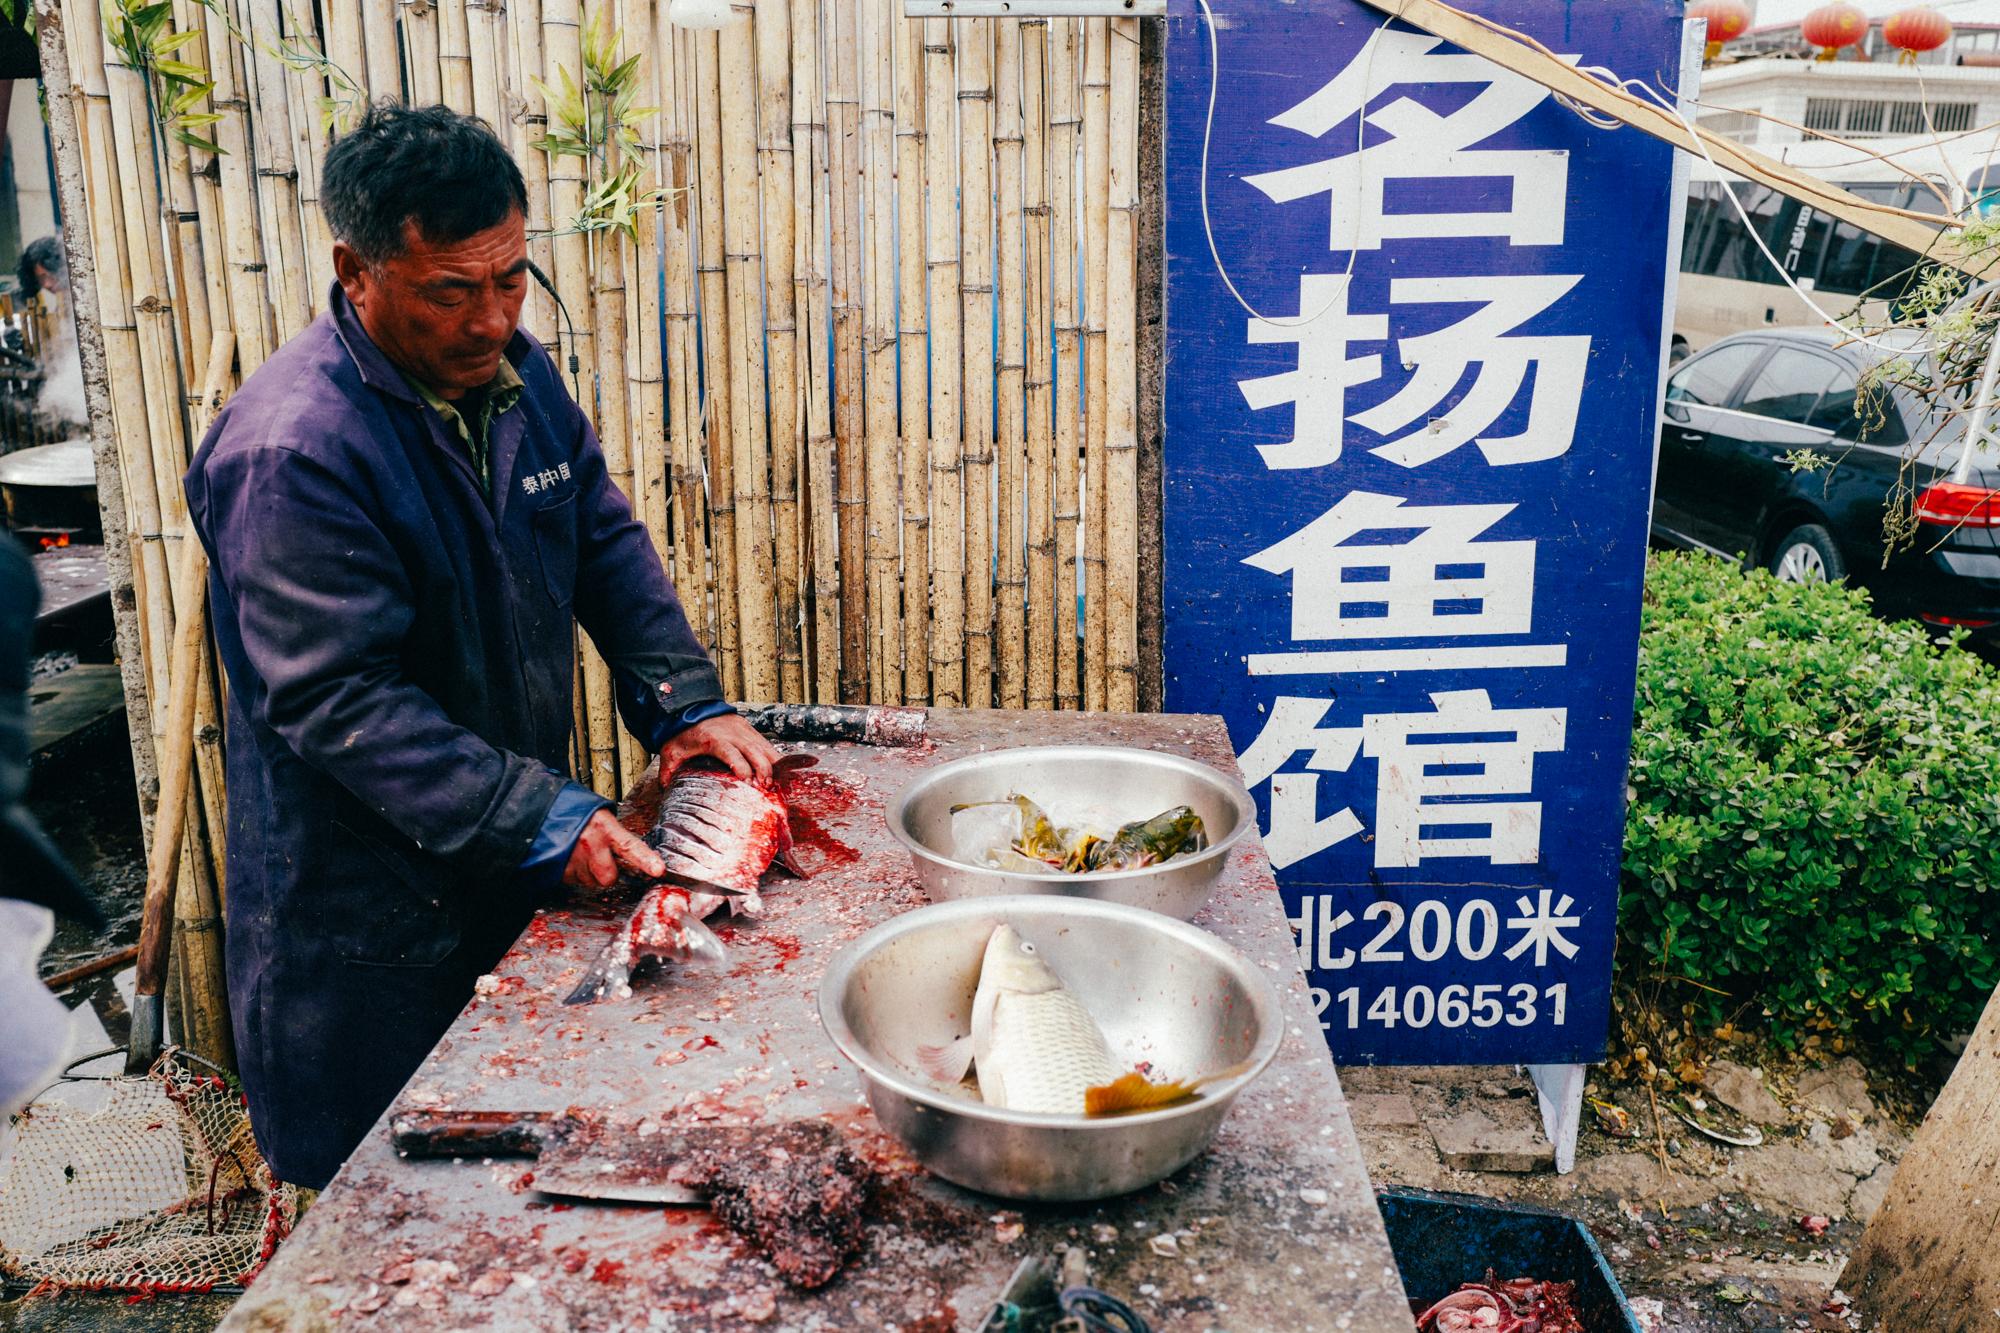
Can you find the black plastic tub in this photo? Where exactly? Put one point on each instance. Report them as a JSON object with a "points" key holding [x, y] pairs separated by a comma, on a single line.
{"points": [[1443, 1241]]}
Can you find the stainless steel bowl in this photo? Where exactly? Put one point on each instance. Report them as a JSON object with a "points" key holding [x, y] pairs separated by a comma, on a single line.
{"points": [[1161, 991], [1138, 783]]}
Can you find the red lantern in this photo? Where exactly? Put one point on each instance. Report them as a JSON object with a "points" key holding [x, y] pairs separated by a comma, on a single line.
{"points": [[1831, 27], [1914, 31], [1727, 20]]}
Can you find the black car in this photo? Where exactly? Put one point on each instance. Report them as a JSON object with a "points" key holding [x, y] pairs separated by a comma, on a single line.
{"points": [[1739, 414]]}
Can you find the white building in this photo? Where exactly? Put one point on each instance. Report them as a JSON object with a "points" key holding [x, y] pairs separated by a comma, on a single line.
{"points": [[1917, 135]]}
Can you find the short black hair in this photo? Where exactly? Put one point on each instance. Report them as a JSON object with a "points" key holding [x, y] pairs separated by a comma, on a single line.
{"points": [[447, 172], [45, 253]]}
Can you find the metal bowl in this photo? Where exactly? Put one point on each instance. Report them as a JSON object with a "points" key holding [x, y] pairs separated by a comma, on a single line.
{"points": [[1141, 783], [1161, 991]]}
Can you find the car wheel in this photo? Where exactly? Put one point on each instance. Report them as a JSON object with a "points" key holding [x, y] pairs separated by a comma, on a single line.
{"points": [[1807, 554]]}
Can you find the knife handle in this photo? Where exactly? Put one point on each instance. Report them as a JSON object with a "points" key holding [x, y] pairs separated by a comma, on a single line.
{"points": [[470, 1133]]}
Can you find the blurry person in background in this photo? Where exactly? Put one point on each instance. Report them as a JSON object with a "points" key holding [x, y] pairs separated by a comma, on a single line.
{"points": [[35, 884], [57, 402], [43, 269]]}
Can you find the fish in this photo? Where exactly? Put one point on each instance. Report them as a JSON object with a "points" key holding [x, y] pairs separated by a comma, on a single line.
{"points": [[1036, 844], [1145, 842], [1033, 1046], [717, 833]]}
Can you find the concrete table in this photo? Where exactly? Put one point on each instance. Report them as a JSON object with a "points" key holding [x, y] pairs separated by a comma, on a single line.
{"points": [[1274, 1228]]}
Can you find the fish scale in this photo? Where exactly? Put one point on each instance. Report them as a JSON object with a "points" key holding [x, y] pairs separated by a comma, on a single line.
{"points": [[1046, 1051]]}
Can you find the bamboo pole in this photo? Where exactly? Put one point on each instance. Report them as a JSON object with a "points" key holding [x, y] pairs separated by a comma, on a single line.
{"points": [[648, 388], [810, 271], [1121, 369], [420, 38], [208, 757], [1039, 384], [844, 185], [278, 191], [614, 429], [304, 92], [1010, 532], [562, 49], [773, 42], [1096, 231], [683, 365], [345, 45], [383, 62], [69, 113], [716, 342], [736, 65], [242, 251], [163, 449], [532, 115], [947, 467], [483, 47], [454, 54], [421, 47], [975, 176], [912, 325], [885, 640], [1063, 244], [192, 224]]}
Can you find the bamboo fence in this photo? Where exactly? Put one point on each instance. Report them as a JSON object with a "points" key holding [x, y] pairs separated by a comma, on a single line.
{"points": [[869, 374]]}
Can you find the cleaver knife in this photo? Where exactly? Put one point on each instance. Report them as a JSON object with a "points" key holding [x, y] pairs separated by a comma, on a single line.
{"points": [[576, 1156]]}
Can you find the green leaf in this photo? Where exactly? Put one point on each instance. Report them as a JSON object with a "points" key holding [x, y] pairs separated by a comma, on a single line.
{"points": [[196, 141]]}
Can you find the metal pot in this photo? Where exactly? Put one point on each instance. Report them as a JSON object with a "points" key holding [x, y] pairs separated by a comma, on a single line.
{"points": [[52, 488], [1142, 782], [1162, 991]]}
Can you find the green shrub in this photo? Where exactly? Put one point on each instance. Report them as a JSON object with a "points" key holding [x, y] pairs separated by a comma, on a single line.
{"points": [[1814, 814]]}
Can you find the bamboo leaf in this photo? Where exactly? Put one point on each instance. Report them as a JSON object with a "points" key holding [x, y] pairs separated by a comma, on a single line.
{"points": [[176, 42], [179, 71], [199, 118], [196, 141]]}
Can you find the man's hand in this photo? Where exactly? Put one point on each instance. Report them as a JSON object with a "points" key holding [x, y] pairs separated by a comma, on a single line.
{"points": [[729, 738], [605, 848]]}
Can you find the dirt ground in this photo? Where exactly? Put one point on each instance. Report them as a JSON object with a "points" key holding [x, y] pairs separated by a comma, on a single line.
{"points": [[1722, 1238]]}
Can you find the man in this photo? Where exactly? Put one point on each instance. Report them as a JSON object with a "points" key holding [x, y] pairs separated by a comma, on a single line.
{"points": [[406, 516], [42, 268]]}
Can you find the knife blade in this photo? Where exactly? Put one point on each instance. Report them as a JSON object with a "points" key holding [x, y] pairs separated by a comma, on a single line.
{"points": [[575, 1156], [583, 1156]]}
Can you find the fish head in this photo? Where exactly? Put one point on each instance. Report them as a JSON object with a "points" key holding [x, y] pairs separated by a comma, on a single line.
{"points": [[1012, 965]]}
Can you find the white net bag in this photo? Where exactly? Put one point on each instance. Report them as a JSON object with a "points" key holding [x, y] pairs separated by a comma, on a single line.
{"points": [[147, 1184]]}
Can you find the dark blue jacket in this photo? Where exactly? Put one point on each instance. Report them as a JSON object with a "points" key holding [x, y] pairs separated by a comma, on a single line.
{"points": [[399, 648]]}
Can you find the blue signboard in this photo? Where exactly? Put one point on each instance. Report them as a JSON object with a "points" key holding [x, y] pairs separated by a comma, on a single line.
{"points": [[1408, 467]]}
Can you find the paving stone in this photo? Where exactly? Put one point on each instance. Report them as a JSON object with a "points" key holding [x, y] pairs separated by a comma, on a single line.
{"points": [[1793, 1177], [1840, 1088], [1636, 1177], [1855, 1155], [1474, 1141], [1866, 1201], [1383, 1110], [1743, 1091]]}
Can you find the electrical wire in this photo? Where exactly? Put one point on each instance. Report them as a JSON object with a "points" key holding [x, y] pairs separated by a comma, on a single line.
{"points": [[1208, 132]]}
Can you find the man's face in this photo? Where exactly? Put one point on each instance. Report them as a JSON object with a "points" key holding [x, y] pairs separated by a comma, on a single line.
{"points": [[443, 313]]}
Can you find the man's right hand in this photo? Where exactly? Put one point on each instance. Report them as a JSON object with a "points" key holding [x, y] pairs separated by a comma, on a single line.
{"points": [[603, 850]]}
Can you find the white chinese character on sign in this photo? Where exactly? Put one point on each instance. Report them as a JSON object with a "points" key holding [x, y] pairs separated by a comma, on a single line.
{"points": [[1296, 830], [530, 484], [1484, 339], [1441, 581], [1542, 927], [1424, 144], [1317, 390], [548, 478], [1428, 764], [563, 471]]}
